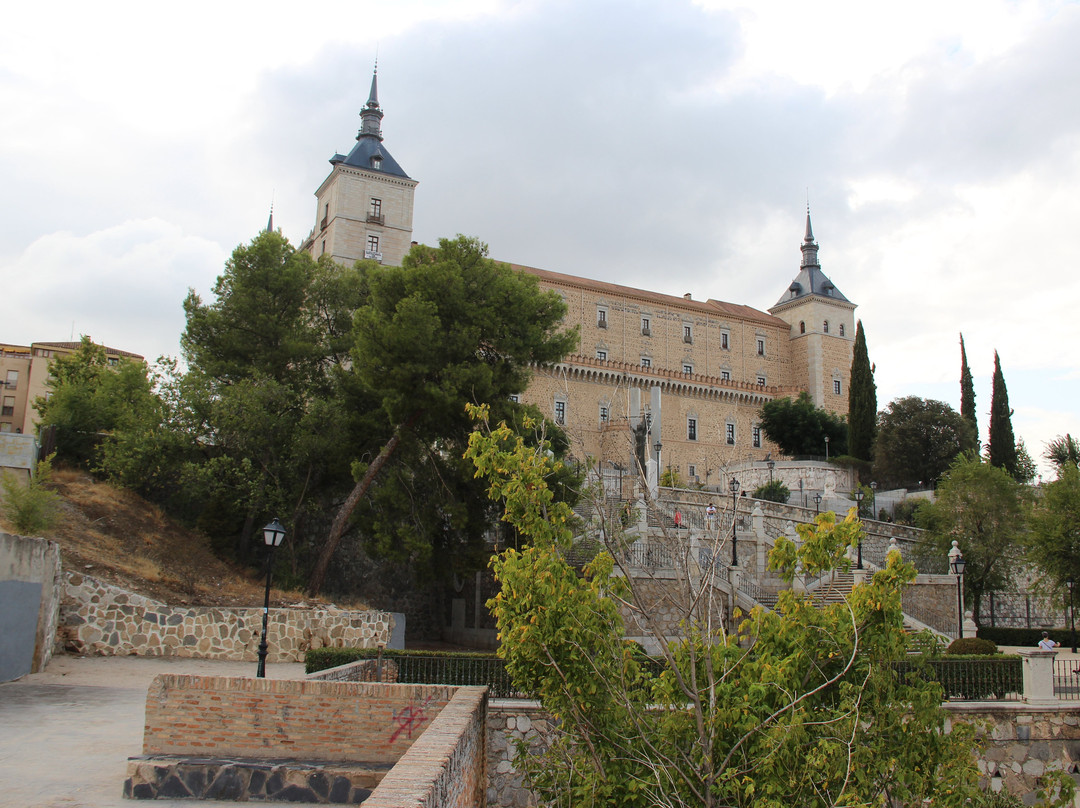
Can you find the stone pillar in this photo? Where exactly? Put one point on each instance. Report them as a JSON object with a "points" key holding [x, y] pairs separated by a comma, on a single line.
{"points": [[1038, 666]]}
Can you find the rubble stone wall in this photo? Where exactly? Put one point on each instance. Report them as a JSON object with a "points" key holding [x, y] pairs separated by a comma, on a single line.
{"points": [[100, 619]]}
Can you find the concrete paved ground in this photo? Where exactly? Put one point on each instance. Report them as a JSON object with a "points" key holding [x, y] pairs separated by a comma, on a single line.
{"points": [[66, 733]]}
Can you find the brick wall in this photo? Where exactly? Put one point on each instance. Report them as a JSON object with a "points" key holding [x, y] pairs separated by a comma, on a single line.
{"points": [[218, 716], [447, 766]]}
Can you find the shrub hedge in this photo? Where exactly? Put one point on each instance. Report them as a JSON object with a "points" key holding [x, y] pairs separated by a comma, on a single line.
{"points": [[972, 646], [1024, 636]]}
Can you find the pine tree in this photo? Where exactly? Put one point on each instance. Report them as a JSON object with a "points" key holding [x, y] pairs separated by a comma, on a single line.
{"points": [[967, 396], [1002, 447], [862, 401]]}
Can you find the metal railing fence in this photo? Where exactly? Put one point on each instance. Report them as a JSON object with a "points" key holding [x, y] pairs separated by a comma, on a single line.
{"points": [[967, 679]]}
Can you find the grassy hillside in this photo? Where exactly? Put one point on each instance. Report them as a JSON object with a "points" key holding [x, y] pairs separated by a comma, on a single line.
{"points": [[116, 536]]}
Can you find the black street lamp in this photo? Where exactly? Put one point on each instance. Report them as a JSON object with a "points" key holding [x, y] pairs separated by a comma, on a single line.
{"points": [[873, 501], [817, 504], [1072, 615], [858, 494], [956, 567], [657, 447], [734, 486], [771, 464], [273, 533], [826, 448]]}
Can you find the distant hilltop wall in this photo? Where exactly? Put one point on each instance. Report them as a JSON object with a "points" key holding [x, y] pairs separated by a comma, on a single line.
{"points": [[101, 619]]}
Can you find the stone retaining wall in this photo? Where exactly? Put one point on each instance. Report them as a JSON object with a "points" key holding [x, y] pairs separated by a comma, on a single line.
{"points": [[1021, 745], [98, 618]]}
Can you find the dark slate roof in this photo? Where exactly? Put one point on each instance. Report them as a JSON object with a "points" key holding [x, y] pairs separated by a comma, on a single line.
{"points": [[360, 157], [811, 281]]}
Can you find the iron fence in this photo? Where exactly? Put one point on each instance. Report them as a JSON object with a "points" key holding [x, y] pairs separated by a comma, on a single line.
{"points": [[967, 679], [472, 670], [1067, 679]]}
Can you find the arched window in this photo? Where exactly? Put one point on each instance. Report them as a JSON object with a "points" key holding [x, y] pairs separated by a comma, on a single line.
{"points": [[825, 328], [802, 326], [841, 329]]}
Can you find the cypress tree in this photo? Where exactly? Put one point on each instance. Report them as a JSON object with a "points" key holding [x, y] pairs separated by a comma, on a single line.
{"points": [[1002, 448], [862, 401], [967, 397]]}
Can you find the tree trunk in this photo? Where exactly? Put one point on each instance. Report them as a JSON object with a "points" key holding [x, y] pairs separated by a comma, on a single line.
{"points": [[337, 529]]}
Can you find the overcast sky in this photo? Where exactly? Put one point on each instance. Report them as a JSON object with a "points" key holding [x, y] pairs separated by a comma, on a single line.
{"points": [[667, 145]]}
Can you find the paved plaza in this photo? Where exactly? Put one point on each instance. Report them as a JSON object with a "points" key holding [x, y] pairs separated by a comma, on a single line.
{"points": [[66, 733]]}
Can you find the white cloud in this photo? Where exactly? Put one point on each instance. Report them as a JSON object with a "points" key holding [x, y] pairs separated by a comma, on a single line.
{"points": [[123, 286]]}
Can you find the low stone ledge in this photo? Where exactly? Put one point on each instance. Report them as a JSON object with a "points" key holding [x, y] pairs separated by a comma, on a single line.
{"points": [[179, 777]]}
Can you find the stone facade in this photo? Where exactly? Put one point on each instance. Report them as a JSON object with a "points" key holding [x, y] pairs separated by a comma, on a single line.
{"points": [[714, 363], [97, 618], [514, 726]]}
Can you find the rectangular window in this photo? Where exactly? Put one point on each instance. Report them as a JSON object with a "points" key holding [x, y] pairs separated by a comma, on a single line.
{"points": [[691, 471], [725, 375], [725, 341], [13, 378], [603, 414], [646, 362], [836, 387], [730, 432], [760, 347], [645, 331], [9, 406], [761, 381], [687, 368], [376, 207], [691, 428], [687, 334], [601, 355], [757, 437], [5, 426], [601, 318], [560, 413], [515, 398], [323, 247]]}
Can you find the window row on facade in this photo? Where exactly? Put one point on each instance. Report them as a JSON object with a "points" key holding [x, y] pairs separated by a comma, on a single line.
{"points": [[824, 327], [687, 331]]}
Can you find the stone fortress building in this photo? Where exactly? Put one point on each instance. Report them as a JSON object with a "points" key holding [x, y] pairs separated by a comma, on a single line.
{"points": [[668, 382]]}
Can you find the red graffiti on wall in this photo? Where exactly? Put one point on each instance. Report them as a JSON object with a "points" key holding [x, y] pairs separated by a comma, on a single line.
{"points": [[409, 718]]}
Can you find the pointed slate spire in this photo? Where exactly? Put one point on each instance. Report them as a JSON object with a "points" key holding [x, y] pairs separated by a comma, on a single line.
{"points": [[809, 246], [371, 116], [270, 221]]}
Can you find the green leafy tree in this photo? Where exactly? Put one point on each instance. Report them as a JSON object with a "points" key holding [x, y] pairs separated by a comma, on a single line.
{"points": [[1054, 538], [983, 509], [862, 401], [800, 428], [91, 401], [773, 491], [917, 440], [967, 396], [448, 327], [1001, 450], [1025, 465], [262, 397], [32, 508], [815, 714], [1064, 452]]}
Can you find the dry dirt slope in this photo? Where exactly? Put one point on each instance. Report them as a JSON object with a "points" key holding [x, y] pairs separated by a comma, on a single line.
{"points": [[117, 536]]}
